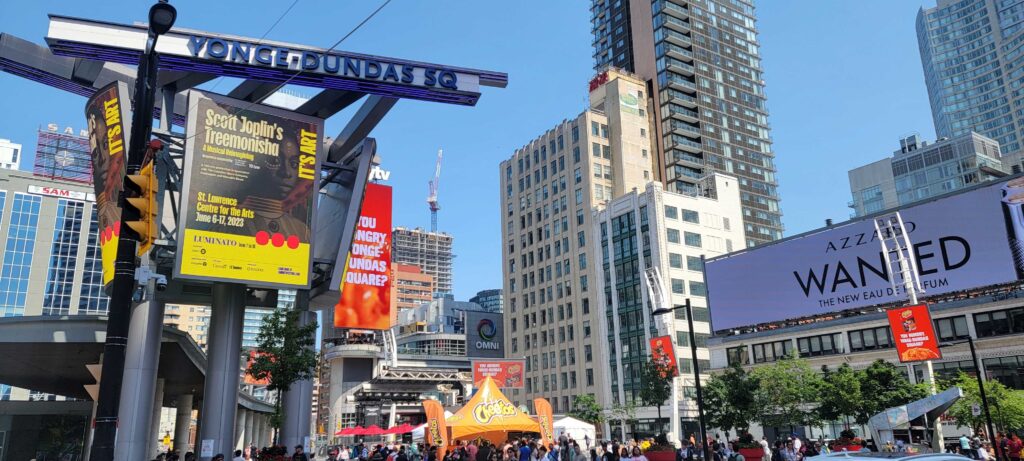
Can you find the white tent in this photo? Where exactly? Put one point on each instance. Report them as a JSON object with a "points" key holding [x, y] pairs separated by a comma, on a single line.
{"points": [[575, 429], [417, 432]]}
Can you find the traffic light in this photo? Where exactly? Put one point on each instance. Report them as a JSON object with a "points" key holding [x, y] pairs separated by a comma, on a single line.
{"points": [[140, 209]]}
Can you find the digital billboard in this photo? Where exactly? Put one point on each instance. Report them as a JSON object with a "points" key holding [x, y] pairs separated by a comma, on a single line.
{"points": [[108, 113], [484, 335], [250, 176], [505, 373], [365, 301], [914, 333], [662, 351], [960, 242]]}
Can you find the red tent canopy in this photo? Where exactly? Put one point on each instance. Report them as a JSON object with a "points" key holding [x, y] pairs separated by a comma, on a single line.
{"points": [[373, 430], [400, 429], [348, 431]]}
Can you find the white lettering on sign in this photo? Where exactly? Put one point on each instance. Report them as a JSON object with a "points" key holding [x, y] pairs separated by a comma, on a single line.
{"points": [[379, 174], [62, 193]]}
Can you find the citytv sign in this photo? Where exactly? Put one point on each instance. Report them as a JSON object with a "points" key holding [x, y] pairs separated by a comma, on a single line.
{"points": [[271, 61]]}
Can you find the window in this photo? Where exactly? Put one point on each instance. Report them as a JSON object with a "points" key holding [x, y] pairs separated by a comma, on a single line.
{"points": [[679, 287], [675, 260], [20, 246], [92, 299], [694, 263], [579, 196], [595, 149], [870, 339], [698, 289], [590, 376], [951, 328], [671, 212], [770, 352], [576, 154], [814, 346], [586, 328], [691, 216], [588, 353], [577, 176], [1006, 370], [737, 355], [997, 323], [673, 235], [692, 239], [595, 128]]}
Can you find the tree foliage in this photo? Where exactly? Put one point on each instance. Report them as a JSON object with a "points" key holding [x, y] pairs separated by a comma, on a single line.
{"points": [[883, 386], [1005, 405], [729, 399], [787, 394], [656, 382], [284, 354], [586, 408], [841, 395]]}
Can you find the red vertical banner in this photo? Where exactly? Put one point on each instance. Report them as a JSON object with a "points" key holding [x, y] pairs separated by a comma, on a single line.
{"points": [[436, 433], [664, 355], [914, 333], [366, 287], [546, 420]]}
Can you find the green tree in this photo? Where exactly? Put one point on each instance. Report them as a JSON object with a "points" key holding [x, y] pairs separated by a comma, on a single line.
{"points": [[729, 401], [787, 393], [1004, 404], [586, 408], [284, 355], [883, 386], [656, 382], [840, 396]]}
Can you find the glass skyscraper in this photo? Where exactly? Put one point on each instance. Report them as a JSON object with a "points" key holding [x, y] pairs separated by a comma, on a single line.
{"points": [[971, 55], [702, 64]]}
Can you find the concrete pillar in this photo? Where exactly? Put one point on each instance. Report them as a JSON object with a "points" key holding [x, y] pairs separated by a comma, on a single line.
{"points": [[297, 403], [262, 432], [182, 424], [135, 413], [239, 428], [220, 391], [250, 429], [154, 424]]}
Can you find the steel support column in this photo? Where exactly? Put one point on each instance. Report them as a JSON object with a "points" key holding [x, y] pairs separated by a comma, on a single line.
{"points": [[220, 392], [297, 403], [183, 424], [142, 358]]}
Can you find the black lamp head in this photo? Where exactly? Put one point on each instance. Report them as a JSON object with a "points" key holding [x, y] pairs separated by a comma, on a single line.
{"points": [[161, 17]]}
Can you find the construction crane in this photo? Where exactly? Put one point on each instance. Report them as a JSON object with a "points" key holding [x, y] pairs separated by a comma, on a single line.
{"points": [[432, 195]]}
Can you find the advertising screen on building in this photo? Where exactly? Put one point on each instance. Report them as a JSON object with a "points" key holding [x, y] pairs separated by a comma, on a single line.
{"points": [[914, 333], [108, 113], [484, 336], [251, 173], [505, 373], [366, 285], [662, 352], [962, 241]]}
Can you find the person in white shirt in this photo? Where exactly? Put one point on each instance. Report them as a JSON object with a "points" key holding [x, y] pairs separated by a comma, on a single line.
{"points": [[238, 456], [767, 456]]}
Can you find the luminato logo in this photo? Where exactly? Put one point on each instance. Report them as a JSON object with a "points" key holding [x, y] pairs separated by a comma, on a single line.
{"points": [[486, 329]]}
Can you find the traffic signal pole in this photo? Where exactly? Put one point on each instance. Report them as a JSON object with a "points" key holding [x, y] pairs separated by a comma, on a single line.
{"points": [[123, 284]]}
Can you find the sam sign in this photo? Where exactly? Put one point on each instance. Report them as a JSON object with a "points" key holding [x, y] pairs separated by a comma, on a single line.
{"points": [[914, 334], [505, 373], [366, 285], [250, 187]]}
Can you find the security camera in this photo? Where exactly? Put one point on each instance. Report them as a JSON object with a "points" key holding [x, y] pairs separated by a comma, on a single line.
{"points": [[161, 282]]}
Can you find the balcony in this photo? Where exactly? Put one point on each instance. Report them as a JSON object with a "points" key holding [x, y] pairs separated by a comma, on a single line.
{"points": [[683, 158], [678, 66], [677, 127], [673, 23], [674, 51], [673, 9], [673, 37], [680, 113], [676, 81], [679, 98], [680, 142]]}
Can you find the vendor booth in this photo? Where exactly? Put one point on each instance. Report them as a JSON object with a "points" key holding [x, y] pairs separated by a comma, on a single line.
{"points": [[580, 431], [491, 416]]}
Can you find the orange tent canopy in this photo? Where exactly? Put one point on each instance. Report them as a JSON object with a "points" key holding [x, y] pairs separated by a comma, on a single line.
{"points": [[490, 415]]}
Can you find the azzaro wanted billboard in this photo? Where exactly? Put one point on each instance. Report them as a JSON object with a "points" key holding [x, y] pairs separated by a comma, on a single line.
{"points": [[962, 241]]}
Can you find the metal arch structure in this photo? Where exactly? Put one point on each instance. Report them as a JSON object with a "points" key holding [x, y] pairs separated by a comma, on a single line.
{"points": [[84, 55]]}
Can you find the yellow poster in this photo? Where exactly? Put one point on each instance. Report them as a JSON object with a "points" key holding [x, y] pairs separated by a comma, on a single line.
{"points": [[250, 183]]}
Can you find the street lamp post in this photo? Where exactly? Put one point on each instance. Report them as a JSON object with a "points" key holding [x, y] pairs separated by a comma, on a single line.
{"points": [[981, 390], [696, 372], [161, 18]]}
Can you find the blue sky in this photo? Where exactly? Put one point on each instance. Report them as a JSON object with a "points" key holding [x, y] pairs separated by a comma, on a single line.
{"points": [[844, 82]]}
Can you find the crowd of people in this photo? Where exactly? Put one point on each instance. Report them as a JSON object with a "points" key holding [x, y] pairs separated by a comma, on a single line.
{"points": [[1003, 448], [249, 453]]}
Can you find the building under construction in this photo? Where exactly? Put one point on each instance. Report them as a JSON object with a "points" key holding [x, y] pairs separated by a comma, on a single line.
{"points": [[431, 251], [63, 155]]}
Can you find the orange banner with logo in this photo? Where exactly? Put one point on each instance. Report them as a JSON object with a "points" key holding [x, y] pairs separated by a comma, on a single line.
{"points": [[914, 334], [436, 433], [546, 420]]}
